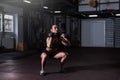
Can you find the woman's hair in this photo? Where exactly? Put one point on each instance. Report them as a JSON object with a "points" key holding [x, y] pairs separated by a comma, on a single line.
{"points": [[54, 25]]}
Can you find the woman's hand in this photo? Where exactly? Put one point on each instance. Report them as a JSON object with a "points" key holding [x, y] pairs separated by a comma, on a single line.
{"points": [[64, 40]]}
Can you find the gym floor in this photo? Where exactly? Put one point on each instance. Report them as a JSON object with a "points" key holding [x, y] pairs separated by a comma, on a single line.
{"points": [[82, 64]]}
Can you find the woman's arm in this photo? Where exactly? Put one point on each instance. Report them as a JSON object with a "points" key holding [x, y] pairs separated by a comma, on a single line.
{"points": [[65, 41], [48, 43]]}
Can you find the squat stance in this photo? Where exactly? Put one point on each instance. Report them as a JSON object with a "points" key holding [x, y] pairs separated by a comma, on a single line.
{"points": [[55, 48]]}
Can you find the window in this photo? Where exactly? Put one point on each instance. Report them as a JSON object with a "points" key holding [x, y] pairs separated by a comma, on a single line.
{"points": [[8, 23], [0, 22]]}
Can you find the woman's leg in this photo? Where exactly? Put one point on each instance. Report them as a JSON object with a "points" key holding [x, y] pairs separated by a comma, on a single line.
{"points": [[43, 61], [62, 56]]}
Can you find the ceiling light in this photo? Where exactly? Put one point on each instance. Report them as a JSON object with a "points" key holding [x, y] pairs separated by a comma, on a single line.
{"points": [[117, 14], [27, 1], [45, 7], [57, 11], [93, 15]]}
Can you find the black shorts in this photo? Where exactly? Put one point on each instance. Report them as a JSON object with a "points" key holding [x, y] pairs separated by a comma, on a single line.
{"points": [[52, 54]]}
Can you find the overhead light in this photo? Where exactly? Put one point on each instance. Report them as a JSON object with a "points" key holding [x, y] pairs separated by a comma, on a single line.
{"points": [[117, 14], [93, 15], [45, 7], [57, 11], [27, 1]]}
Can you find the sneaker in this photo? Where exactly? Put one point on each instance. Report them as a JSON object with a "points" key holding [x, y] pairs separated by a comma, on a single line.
{"points": [[42, 73]]}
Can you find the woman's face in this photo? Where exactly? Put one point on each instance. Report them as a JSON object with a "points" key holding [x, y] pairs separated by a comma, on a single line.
{"points": [[54, 29]]}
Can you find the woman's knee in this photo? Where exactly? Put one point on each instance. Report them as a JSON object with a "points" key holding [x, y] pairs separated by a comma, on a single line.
{"points": [[64, 54], [43, 55]]}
